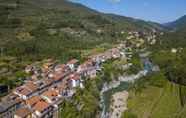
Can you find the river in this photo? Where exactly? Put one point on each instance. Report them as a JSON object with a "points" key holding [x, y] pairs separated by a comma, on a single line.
{"points": [[116, 86], [122, 84]]}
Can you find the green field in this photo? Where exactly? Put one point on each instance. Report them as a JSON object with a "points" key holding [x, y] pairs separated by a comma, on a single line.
{"points": [[155, 100]]}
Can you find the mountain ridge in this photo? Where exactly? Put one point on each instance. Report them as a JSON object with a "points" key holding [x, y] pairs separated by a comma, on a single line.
{"points": [[177, 24], [75, 7]]}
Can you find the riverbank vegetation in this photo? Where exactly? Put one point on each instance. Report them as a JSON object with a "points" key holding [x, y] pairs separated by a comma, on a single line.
{"points": [[85, 103], [136, 64]]}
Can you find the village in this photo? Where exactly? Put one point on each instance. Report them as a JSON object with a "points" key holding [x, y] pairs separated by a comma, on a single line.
{"points": [[52, 82], [42, 94]]}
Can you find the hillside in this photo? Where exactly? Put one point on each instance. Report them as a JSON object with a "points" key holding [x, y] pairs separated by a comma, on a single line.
{"points": [[37, 29], [177, 24], [170, 40], [61, 14]]}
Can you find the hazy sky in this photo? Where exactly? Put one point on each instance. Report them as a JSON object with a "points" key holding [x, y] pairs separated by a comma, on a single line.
{"points": [[155, 10]]}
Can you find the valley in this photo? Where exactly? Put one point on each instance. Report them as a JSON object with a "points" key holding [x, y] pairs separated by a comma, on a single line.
{"points": [[61, 59]]}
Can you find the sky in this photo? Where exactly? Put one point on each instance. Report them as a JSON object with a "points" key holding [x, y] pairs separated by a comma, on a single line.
{"points": [[161, 11]]}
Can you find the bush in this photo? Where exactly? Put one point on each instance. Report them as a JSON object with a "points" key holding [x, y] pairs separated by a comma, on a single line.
{"points": [[129, 114]]}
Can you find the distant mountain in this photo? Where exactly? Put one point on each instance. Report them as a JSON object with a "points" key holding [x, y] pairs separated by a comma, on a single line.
{"points": [[178, 24], [176, 35], [61, 13], [141, 24]]}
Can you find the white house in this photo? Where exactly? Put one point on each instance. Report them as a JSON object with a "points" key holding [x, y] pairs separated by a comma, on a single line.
{"points": [[75, 80]]}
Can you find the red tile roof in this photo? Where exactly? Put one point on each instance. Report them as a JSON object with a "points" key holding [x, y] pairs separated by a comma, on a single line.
{"points": [[23, 112], [50, 94], [58, 76], [31, 86], [41, 106], [33, 100], [86, 64]]}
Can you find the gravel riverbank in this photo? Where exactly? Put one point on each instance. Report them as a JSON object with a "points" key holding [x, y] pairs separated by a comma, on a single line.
{"points": [[119, 104]]}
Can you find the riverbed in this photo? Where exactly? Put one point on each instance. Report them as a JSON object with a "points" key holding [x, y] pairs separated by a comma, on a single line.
{"points": [[118, 104], [107, 95]]}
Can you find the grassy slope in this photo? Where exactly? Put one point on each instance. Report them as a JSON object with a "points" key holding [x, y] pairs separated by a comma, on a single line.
{"points": [[156, 101]]}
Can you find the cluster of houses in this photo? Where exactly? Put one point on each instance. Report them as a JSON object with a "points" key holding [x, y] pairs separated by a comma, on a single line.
{"points": [[42, 94], [137, 39]]}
